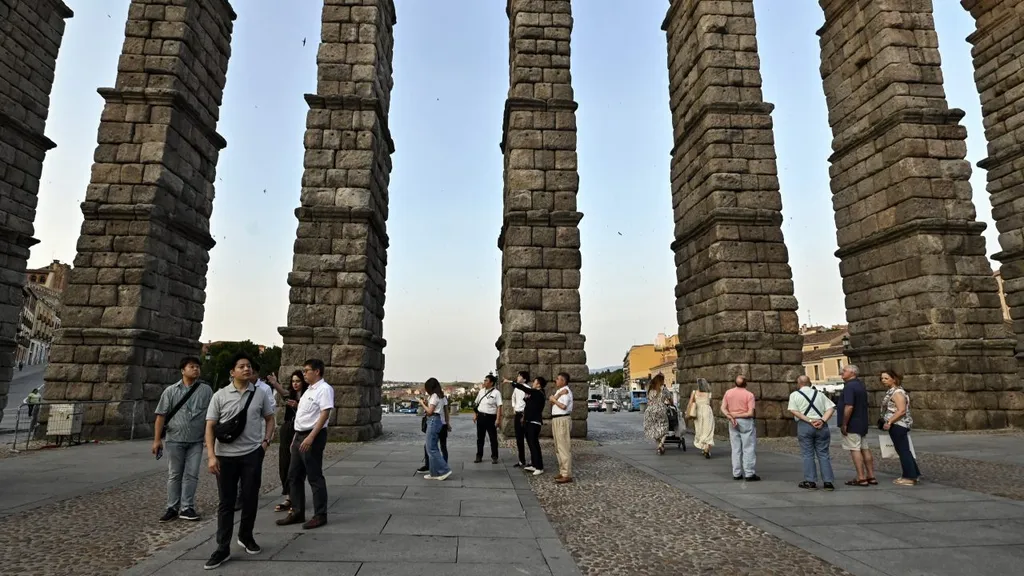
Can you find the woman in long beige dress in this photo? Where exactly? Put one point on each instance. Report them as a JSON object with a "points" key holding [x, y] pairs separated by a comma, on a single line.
{"points": [[704, 421]]}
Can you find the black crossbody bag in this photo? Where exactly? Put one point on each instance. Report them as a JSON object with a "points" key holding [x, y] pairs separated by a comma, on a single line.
{"points": [[167, 419], [229, 431]]}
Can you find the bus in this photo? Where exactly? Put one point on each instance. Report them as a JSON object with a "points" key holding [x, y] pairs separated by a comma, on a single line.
{"points": [[636, 397]]}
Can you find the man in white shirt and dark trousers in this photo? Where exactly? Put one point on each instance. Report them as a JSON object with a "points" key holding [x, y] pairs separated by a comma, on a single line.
{"points": [[310, 422], [235, 454], [518, 406], [487, 415], [561, 426]]}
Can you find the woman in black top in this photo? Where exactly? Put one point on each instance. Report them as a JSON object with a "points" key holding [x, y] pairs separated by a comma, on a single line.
{"points": [[284, 454], [533, 417]]}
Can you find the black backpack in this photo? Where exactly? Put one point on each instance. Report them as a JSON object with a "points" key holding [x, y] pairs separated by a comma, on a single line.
{"points": [[229, 431]]}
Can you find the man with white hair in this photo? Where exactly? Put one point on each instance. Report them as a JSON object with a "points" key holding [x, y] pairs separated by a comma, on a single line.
{"points": [[854, 426], [812, 409]]}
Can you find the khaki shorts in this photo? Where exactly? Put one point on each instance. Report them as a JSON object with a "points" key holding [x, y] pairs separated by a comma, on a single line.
{"points": [[855, 442]]}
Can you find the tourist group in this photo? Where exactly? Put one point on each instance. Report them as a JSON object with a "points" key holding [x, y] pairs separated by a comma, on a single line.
{"points": [[812, 410]]}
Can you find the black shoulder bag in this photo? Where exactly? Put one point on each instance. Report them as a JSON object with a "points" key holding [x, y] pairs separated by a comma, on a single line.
{"points": [[167, 419], [229, 431]]}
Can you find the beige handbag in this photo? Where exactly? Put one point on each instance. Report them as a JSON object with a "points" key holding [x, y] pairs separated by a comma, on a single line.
{"points": [[691, 411]]}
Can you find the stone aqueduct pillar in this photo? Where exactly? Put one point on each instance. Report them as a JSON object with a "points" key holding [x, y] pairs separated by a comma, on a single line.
{"points": [[134, 304], [734, 296], [30, 37], [920, 295], [337, 283], [999, 73], [540, 236]]}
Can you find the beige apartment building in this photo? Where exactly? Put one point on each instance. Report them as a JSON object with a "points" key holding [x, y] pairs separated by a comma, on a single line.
{"points": [[824, 353], [645, 360]]}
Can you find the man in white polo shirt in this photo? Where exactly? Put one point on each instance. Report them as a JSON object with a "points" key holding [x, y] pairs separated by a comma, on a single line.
{"points": [[310, 423], [487, 415]]}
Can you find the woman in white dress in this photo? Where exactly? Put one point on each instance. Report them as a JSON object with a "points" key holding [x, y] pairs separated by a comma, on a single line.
{"points": [[703, 417]]}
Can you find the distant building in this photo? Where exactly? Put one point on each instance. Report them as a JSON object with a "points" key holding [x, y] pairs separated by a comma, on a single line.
{"points": [[645, 360], [1002, 295], [824, 353], [39, 323], [55, 276]]}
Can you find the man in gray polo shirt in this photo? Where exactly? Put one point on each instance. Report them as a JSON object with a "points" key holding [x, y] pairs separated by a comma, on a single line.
{"points": [[184, 441], [241, 459]]}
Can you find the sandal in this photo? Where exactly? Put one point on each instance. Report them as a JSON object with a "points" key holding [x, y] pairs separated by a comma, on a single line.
{"points": [[872, 481], [284, 506], [904, 482], [856, 482], [661, 449]]}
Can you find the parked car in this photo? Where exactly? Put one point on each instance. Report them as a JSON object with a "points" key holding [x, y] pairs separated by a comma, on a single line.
{"points": [[594, 405], [407, 410]]}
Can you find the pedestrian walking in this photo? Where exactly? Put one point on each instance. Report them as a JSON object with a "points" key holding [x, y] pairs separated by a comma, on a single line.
{"points": [[435, 408], [854, 427], [656, 415], [533, 420], [699, 409], [487, 416], [442, 437], [518, 407], [239, 426], [297, 386], [897, 421], [812, 411], [178, 433], [561, 427], [307, 460], [738, 407]]}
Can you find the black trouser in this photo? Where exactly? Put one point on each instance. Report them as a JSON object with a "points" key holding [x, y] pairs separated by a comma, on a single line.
{"points": [[246, 470], [486, 424], [443, 442], [520, 426], [901, 442], [308, 464], [533, 439], [284, 455]]}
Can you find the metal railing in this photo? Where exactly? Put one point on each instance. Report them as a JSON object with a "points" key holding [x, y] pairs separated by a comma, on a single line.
{"points": [[66, 420]]}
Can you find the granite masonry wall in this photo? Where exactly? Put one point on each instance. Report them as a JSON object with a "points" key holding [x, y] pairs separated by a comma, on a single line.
{"points": [[920, 295], [134, 303], [30, 37], [734, 291], [540, 236], [337, 282]]}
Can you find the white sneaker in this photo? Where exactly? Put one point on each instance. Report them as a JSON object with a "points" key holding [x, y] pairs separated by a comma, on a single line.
{"points": [[444, 476], [528, 468], [538, 472], [429, 477]]}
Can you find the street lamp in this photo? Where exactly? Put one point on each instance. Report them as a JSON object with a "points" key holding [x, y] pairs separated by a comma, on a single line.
{"points": [[846, 342]]}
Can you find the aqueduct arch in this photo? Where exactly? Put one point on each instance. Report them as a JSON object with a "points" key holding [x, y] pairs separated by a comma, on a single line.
{"points": [[919, 291]]}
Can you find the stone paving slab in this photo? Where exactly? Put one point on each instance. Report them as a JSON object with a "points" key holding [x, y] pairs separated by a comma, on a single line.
{"points": [[386, 521], [872, 531]]}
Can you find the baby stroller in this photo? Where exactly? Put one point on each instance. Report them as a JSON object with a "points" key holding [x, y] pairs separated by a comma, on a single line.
{"points": [[675, 431]]}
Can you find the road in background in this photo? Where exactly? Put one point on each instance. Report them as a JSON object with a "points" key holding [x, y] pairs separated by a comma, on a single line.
{"points": [[23, 383]]}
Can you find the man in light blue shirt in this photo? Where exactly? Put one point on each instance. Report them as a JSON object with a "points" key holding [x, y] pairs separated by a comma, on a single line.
{"points": [[812, 409]]}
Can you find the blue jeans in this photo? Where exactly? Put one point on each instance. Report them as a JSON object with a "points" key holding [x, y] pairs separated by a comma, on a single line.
{"points": [[814, 443], [436, 462], [183, 461], [743, 438], [901, 442]]}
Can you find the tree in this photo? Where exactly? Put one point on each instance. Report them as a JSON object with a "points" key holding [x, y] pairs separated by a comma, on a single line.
{"points": [[613, 378], [216, 361]]}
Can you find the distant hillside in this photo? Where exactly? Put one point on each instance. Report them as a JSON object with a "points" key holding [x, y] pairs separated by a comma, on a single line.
{"points": [[605, 369]]}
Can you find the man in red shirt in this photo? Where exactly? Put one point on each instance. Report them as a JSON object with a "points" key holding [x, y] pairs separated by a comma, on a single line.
{"points": [[738, 407]]}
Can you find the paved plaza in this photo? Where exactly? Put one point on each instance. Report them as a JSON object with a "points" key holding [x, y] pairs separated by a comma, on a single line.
{"points": [[631, 512]]}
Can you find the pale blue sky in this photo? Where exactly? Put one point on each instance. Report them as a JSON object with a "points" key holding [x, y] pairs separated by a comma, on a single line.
{"points": [[451, 78]]}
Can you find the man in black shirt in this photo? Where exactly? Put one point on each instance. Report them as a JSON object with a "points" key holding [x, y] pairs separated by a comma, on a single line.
{"points": [[853, 423]]}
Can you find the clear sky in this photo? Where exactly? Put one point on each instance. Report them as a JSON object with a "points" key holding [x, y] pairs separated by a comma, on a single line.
{"points": [[451, 79]]}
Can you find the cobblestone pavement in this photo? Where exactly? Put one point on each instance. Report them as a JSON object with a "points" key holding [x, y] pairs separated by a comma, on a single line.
{"points": [[108, 531], [669, 531], [997, 479]]}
